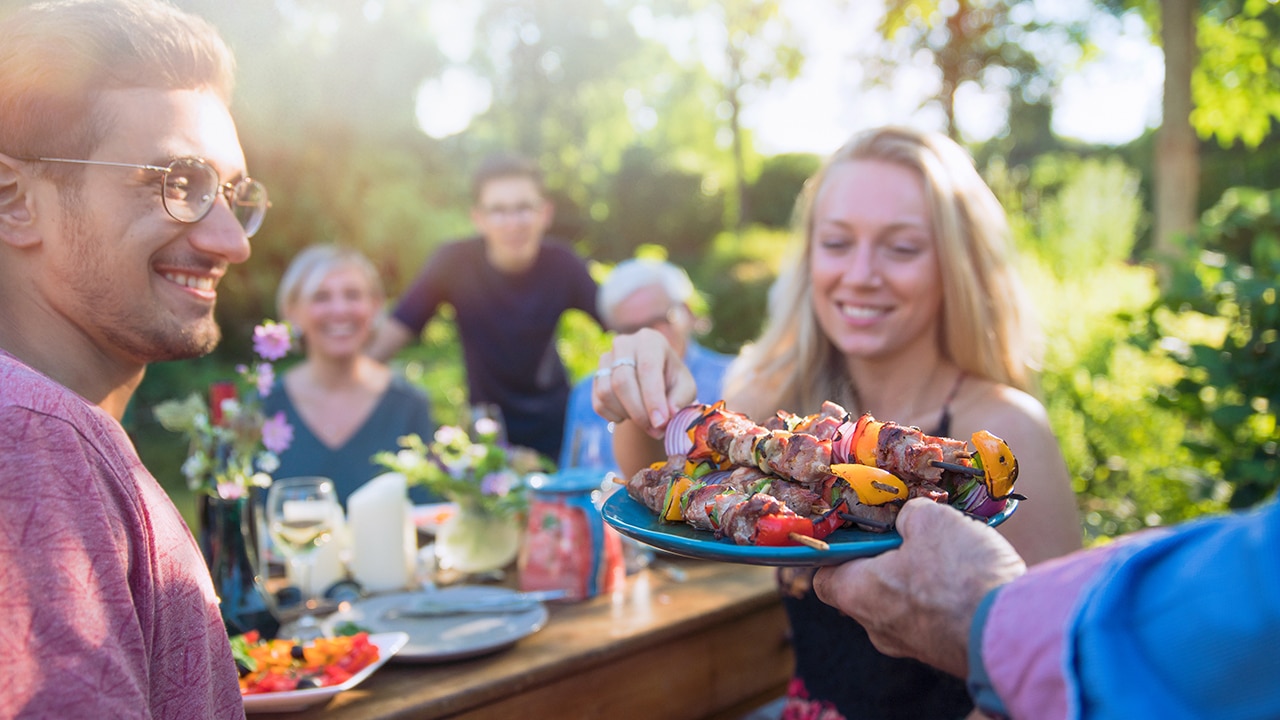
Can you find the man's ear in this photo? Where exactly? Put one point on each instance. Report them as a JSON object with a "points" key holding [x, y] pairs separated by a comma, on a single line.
{"points": [[17, 217]]}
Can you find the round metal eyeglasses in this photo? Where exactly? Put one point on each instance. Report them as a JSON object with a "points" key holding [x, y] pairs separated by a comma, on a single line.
{"points": [[191, 187]]}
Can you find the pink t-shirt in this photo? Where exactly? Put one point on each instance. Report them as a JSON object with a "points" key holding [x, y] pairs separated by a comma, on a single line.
{"points": [[106, 608]]}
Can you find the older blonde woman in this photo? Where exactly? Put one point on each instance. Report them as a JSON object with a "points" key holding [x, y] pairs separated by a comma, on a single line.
{"points": [[901, 300], [344, 406]]}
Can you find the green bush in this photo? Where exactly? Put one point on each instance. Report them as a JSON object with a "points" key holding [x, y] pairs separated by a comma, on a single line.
{"points": [[735, 277], [1076, 222], [1124, 452], [1230, 389], [772, 197], [652, 202]]}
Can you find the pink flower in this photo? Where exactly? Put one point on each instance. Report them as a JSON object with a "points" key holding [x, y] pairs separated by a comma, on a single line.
{"points": [[487, 427], [271, 340], [266, 377], [230, 491], [799, 706], [497, 483], [277, 434]]}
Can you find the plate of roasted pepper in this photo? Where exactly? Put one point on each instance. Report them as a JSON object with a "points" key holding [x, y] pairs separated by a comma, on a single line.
{"points": [[815, 490], [285, 676]]}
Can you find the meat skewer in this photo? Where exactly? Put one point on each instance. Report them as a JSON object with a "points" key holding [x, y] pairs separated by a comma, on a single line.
{"points": [[796, 479], [882, 461], [806, 453], [744, 505]]}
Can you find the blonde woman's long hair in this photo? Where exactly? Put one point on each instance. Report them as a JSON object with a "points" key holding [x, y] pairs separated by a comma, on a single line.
{"points": [[985, 328]]}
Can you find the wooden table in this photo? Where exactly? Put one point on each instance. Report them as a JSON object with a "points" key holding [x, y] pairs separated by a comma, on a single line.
{"points": [[711, 646]]}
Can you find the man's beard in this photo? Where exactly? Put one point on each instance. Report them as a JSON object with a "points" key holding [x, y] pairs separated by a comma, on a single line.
{"points": [[159, 345], [145, 334]]}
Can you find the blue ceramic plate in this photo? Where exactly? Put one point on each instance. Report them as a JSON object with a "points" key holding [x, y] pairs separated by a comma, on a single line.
{"points": [[636, 521]]}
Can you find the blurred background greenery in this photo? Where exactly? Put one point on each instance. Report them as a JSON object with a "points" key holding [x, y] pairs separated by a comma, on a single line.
{"points": [[1160, 316]]}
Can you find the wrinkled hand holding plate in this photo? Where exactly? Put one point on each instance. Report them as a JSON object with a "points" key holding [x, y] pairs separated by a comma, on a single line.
{"points": [[640, 523]]}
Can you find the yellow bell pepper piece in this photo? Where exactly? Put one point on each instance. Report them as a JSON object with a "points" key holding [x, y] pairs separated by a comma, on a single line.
{"points": [[873, 485], [672, 509], [866, 437], [999, 466]]}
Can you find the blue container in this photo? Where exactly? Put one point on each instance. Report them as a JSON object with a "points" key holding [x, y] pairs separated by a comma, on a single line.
{"points": [[567, 546]]}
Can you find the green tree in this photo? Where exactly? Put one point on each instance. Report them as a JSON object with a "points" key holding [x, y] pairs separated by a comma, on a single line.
{"points": [[1236, 83], [1222, 80], [982, 42], [758, 47], [560, 70]]}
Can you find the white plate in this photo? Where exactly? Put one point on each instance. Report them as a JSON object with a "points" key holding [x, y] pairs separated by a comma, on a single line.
{"points": [[293, 700], [449, 637]]}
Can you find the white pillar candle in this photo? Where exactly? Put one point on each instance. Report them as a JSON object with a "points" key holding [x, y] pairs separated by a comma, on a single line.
{"points": [[383, 540]]}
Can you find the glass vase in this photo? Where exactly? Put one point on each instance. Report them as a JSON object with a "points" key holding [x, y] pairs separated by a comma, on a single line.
{"points": [[228, 537], [473, 540]]}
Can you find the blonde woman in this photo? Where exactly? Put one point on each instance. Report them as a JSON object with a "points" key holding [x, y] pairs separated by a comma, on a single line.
{"points": [[344, 406], [901, 300]]}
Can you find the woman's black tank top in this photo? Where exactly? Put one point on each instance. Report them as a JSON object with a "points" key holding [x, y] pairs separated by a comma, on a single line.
{"points": [[838, 664]]}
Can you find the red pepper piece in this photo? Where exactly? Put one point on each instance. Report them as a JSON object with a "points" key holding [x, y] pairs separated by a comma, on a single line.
{"points": [[830, 521], [698, 434], [775, 530]]}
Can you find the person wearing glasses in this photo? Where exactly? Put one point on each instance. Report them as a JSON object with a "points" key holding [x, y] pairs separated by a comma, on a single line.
{"points": [[124, 199], [343, 405], [640, 293], [508, 286]]}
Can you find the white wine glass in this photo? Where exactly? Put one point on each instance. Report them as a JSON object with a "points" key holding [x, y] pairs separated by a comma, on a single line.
{"points": [[300, 516], [490, 415], [591, 448]]}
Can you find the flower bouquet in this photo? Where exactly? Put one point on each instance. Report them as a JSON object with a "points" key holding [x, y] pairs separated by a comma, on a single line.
{"points": [[484, 477], [233, 448], [233, 445]]}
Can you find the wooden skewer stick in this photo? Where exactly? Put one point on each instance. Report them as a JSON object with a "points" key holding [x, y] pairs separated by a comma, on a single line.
{"points": [[812, 542], [864, 521], [963, 469], [619, 480]]}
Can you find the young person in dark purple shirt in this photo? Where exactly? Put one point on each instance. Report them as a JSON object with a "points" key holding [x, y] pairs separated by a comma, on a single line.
{"points": [[508, 287]]}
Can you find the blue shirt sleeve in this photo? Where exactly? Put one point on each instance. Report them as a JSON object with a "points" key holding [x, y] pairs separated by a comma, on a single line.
{"points": [[980, 688], [1187, 626], [1180, 622]]}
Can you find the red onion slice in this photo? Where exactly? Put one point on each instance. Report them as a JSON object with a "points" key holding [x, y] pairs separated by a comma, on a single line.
{"points": [[842, 443], [715, 477], [676, 438], [980, 503]]}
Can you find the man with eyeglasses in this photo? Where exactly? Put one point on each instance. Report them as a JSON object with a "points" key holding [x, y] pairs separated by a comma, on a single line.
{"points": [[508, 287], [637, 294], [123, 202]]}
